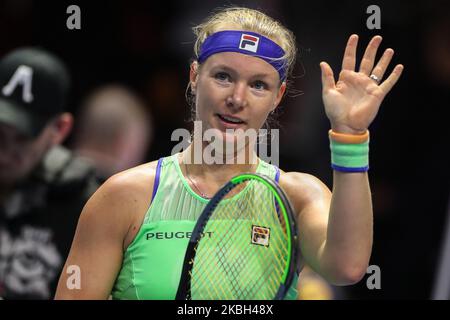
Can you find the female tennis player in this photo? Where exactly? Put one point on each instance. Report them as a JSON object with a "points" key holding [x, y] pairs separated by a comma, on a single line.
{"points": [[132, 234]]}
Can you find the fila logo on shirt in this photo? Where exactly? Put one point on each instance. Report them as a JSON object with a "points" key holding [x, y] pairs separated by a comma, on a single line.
{"points": [[24, 77], [249, 43]]}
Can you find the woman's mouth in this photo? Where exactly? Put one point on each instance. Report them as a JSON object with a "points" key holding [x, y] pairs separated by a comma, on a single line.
{"points": [[230, 121]]}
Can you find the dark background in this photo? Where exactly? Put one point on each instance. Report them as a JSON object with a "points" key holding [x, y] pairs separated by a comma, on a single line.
{"points": [[147, 45]]}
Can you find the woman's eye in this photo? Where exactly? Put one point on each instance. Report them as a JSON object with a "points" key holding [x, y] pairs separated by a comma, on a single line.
{"points": [[259, 85], [222, 76]]}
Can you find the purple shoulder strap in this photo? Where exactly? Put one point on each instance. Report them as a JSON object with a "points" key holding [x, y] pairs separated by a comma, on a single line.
{"points": [[158, 172], [277, 175]]}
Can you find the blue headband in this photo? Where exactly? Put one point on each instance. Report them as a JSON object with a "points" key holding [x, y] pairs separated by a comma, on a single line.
{"points": [[245, 42]]}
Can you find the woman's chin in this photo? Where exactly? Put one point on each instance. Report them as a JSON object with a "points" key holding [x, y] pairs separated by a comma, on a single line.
{"points": [[232, 142], [228, 137]]}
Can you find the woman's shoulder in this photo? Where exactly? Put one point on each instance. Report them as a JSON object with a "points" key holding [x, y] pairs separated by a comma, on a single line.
{"points": [[302, 188], [294, 179], [121, 199], [135, 177], [127, 188]]}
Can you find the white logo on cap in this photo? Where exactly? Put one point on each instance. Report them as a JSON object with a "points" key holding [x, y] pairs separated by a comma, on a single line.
{"points": [[23, 76], [249, 43]]}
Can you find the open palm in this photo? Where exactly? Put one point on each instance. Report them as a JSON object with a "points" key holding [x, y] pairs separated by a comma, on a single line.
{"points": [[353, 101]]}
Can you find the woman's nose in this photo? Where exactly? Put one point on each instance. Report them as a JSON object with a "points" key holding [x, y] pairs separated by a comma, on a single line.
{"points": [[238, 97]]}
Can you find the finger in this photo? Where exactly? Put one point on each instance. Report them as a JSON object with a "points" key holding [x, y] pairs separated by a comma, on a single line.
{"points": [[368, 59], [348, 63], [382, 65], [387, 84], [327, 76]]}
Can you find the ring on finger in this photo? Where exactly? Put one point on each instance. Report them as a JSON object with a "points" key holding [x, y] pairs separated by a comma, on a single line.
{"points": [[375, 78]]}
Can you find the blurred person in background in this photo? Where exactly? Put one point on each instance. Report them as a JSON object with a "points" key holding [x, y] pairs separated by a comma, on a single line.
{"points": [[43, 186], [114, 130]]}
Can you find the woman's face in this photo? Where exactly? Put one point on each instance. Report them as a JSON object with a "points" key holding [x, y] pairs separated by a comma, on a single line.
{"points": [[235, 91]]}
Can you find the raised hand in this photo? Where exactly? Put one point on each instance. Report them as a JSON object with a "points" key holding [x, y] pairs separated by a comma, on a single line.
{"points": [[353, 101]]}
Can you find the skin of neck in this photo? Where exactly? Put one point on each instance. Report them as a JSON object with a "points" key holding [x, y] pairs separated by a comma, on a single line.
{"points": [[217, 174]]}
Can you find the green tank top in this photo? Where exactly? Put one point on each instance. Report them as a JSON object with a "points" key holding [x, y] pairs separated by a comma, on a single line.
{"points": [[152, 263]]}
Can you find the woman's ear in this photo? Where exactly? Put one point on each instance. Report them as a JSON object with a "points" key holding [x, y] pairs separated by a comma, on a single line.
{"points": [[280, 95], [193, 75]]}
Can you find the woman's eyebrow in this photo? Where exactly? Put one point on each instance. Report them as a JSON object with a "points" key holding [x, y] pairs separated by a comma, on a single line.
{"points": [[231, 70], [224, 67]]}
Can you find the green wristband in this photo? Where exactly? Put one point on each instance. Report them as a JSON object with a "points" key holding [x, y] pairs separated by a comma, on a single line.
{"points": [[349, 157]]}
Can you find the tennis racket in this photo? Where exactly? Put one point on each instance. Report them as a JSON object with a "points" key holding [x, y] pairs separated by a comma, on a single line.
{"points": [[243, 247]]}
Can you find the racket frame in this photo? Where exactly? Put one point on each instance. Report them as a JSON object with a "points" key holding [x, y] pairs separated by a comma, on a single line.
{"points": [[183, 292]]}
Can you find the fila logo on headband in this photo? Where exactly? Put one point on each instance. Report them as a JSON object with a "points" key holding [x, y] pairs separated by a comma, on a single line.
{"points": [[249, 43]]}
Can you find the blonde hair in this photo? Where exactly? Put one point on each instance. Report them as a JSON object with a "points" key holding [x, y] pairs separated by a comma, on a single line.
{"points": [[239, 18]]}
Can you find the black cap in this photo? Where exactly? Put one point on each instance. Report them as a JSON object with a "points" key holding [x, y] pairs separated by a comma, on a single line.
{"points": [[33, 88]]}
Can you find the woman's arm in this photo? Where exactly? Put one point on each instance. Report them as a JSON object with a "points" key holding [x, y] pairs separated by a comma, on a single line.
{"points": [[98, 245], [350, 227], [336, 230]]}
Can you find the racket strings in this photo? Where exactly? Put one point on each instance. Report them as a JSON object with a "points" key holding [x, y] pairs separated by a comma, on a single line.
{"points": [[251, 260], [207, 268], [230, 265], [245, 291]]}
